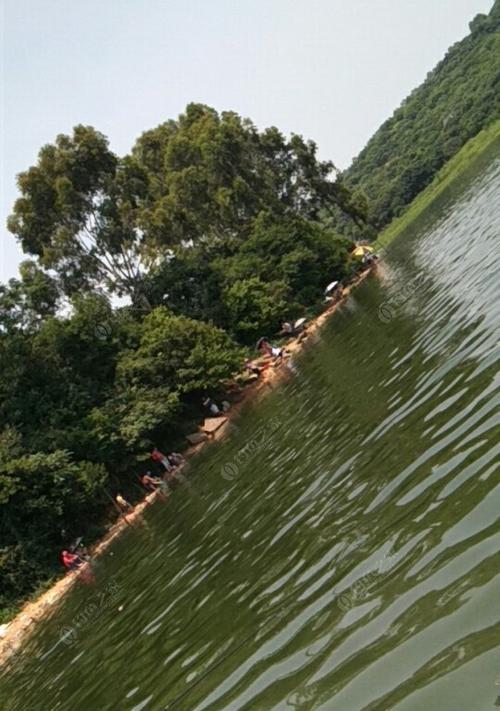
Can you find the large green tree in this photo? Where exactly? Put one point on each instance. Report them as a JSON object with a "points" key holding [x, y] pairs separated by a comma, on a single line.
{"points": [[78, 213], [212, 174], [101, 221], [175, 360]]}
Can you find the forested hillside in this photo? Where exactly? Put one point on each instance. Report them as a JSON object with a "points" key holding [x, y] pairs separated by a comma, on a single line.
{"points": [[458, 98]]}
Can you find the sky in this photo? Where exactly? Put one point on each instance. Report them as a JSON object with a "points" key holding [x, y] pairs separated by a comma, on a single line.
{"points": [[331, 70]]}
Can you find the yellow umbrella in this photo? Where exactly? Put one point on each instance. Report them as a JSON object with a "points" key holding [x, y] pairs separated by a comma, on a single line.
{"points": [[361, 250]]}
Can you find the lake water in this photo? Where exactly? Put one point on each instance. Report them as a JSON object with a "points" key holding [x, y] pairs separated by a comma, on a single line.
{"points": [[342, 550]]}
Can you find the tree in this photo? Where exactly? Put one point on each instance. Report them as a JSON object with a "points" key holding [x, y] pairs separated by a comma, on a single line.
{"points": [[255, 307], [77, 213], [125, 425], [104, 222], [212, 174], [25, 303], [288, 261], [56, 374], [189, 282], [184, 355], [301, 253]]}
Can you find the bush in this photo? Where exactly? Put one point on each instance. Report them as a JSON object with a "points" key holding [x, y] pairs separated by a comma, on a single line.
{"points": [[255, 307]]}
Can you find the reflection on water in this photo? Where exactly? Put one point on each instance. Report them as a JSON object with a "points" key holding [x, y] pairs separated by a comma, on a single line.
{"points": [[341, 551]]}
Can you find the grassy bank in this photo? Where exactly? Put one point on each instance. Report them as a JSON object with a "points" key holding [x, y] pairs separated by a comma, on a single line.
{"points": [[486, 140]]}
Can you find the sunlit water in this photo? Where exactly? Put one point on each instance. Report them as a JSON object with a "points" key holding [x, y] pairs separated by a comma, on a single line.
{"points": [[341, 550]]}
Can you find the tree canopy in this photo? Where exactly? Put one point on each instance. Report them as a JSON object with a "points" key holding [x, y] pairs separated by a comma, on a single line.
{"points": [[100, 221]]}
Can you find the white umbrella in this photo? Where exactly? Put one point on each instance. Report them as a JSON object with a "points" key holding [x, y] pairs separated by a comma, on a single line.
{"points": [[331, 286]]}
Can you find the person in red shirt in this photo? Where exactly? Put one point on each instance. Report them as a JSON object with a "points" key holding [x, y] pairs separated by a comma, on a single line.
{"points": [[70, 560], [161, 458]]}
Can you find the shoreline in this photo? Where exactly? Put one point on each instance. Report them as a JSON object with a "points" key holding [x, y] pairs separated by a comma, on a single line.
{"points": [[19, 629]]}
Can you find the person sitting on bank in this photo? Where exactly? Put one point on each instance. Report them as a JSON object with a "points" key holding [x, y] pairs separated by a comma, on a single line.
{"points": [[123, 503], [369, 259], [71, 561], [274, 352], [212, 406], [151, 482], [79, 549], [293, 329], [333, 291], [161, 458], [175, 459], [215, 409]]}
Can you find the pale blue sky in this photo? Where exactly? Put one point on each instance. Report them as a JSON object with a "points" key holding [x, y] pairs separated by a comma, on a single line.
{"points": [[331, 70]]}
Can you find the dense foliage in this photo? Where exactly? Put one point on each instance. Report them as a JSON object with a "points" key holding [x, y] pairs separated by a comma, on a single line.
{"points": [[83, 398], [248, 287], [459, 97]]}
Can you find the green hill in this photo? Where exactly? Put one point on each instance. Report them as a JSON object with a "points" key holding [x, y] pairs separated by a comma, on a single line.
{"points": [[459, 97]]}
